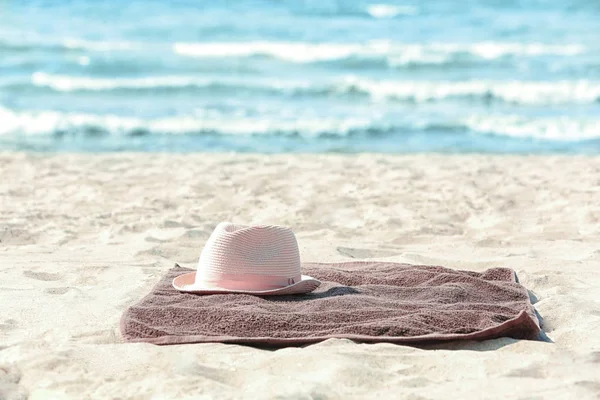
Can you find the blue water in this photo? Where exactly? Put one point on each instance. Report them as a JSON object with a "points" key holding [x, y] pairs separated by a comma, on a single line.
{"points": [[519, 76]]}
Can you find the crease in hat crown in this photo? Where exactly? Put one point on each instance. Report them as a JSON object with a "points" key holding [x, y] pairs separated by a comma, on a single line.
{"points": [[249, 259]]}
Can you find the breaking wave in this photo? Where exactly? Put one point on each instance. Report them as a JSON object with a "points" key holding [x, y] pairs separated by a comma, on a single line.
{"points": [[516, 92], [57, 123]]}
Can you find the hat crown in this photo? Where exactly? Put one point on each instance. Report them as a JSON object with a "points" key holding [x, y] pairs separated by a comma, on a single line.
{"points": [[239, 251]]}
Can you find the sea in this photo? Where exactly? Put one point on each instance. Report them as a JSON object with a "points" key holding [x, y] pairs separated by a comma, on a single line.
{"points": [[312, 76]]}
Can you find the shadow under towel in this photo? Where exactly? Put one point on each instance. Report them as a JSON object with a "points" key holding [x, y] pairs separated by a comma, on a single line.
{"points": [[362, 301]]}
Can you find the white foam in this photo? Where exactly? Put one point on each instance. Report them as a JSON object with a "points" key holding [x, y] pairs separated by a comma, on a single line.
{"points": [[547, 128], [521, 92], [49, 122], [83, 60], [493, 50], [440, 53], [65, 83], [304, 52], [389, 10], [289, 51], [518, 92], [560, 128], [396, 53], [81, 44]]}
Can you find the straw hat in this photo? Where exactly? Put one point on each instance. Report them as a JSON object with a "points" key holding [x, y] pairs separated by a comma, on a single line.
{"points": [[261, 260]]}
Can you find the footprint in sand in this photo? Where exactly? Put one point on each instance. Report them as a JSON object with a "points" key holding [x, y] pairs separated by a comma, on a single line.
{"points": [[8, 325], [42, 276], [10, 387], [153, 239], [58, 290], [103, 336]]}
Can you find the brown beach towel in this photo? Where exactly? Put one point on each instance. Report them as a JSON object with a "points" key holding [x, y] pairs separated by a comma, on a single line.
{"points": [[362, 301]]}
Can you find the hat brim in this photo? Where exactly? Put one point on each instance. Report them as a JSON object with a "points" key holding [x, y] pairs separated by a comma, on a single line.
{"points": [[187, 283]]}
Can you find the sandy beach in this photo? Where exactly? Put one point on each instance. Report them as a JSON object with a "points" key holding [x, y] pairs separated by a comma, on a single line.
{"points": [[83, 236]]}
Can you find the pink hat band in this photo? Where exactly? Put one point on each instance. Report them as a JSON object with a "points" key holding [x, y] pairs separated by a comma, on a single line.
{"points": [[262, 259]]}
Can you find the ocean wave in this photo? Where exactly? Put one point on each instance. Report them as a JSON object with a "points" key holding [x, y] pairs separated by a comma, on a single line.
{"points": [[517, 92], [547, 128], [66, 44], [27, 123], [396, 54], [66, 83], [53, 123], [389, 53]]}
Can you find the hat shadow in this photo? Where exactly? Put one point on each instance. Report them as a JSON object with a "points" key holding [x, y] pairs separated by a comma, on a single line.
{"points": [[331, 292]]}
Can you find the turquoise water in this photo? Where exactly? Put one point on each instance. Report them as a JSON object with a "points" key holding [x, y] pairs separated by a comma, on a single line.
{"points": [[308, 76]]}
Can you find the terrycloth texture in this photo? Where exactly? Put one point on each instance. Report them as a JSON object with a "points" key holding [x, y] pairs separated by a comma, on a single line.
{"points": [[363, 301]]}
